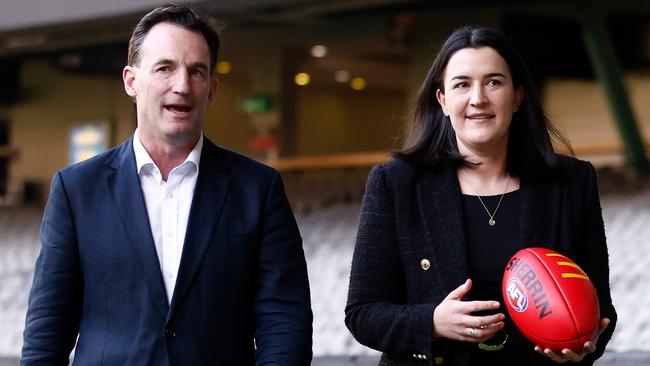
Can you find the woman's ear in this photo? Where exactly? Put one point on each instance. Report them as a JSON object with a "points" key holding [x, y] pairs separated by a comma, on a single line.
{"points": [[519, 97], [441, 99]]}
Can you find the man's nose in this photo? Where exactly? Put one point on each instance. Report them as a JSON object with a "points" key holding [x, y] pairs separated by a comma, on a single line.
{"points": [[181, 83]]}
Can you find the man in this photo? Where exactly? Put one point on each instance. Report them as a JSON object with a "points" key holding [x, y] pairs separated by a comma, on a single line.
{"points": [[169, 250]]}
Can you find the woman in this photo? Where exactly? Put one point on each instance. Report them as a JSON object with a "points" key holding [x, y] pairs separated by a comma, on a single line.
{"points": [[477, 181]]}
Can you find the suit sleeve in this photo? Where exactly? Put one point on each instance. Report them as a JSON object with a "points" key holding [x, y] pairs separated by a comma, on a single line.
{"points": [[53, 312], [595, 260], [376, 312], [283, 316]]}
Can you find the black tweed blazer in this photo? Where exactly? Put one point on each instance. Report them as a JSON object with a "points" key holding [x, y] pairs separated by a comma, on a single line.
{"points": [[413, 213]]}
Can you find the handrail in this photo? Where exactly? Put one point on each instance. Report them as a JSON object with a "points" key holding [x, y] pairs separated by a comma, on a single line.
{"points": [[354, 160], [367, 159], [599, 148], [7, 151]]}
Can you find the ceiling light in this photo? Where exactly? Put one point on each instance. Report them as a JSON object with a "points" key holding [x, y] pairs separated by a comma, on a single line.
{"points": [[319, 51], [358, 83], [25, 41], [224, 67], [302, 78], [342, 76]]}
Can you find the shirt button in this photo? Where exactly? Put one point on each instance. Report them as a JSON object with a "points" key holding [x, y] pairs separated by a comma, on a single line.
{"points": [[425, 264]]}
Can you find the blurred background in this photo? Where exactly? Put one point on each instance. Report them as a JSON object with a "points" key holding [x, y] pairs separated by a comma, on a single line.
{"points": [[322, 90]]}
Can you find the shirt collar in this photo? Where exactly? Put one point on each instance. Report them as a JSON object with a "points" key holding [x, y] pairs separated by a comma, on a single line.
{"points": [[143, 159]]}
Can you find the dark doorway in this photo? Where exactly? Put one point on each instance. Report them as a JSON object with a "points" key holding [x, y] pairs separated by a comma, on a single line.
{"points": [[4, 158]]}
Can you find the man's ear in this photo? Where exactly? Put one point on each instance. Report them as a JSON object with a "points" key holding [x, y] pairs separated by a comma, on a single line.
{"points": [[128, 76], [214, 83], [441, 99]]}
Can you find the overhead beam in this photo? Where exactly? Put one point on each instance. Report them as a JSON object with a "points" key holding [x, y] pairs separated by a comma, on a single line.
{"points": [[608, 70]]}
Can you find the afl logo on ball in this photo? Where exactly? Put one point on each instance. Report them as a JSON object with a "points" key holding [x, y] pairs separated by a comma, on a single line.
{"points": [[517, 296]]}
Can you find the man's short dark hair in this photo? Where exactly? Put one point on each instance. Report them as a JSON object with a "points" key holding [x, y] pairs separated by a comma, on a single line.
{"points": [[180, 15]]}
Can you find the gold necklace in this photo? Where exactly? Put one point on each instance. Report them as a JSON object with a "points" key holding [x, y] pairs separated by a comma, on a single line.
{"points": [[491, 221]]}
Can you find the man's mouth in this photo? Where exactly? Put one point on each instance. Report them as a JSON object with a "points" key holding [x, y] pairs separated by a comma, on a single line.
{"points": [[178, 108]]}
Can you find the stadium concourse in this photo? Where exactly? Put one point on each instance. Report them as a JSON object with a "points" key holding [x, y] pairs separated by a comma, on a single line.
{"points": [[329, 230]]}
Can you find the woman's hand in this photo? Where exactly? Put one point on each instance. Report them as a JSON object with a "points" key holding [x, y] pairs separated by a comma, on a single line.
{"points": [[569, 355], [453, 318]]}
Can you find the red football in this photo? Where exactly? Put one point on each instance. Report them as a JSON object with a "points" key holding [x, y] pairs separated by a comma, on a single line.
{"points": [[550, 299]]}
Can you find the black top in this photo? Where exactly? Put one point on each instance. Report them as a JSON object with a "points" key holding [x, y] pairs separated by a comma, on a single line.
{"points": [[490, 247], [488, 250]]}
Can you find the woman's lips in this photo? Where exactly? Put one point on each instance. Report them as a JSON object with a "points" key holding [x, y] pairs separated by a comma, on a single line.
{"points": [[480, 116]]}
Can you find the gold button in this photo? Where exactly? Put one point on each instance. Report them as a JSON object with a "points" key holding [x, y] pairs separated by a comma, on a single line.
{"points": [[425, 264], [439, 360]]}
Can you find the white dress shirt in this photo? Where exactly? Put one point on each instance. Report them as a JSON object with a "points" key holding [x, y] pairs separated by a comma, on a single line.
{"points": [[168, 206]]}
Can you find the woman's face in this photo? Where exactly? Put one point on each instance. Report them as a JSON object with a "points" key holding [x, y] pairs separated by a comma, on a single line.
{"points": [[479, 99]]}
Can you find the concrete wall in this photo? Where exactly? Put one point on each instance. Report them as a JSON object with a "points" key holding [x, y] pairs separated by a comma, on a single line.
{"points": [[328, 120], [581, 110], [54, 102], [336, 121]]}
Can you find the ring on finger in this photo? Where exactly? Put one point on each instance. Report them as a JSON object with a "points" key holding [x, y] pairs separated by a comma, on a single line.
{"points": [[472, 332]]}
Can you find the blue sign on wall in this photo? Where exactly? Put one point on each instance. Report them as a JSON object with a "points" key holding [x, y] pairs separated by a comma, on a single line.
{"points": [[87, 140]]}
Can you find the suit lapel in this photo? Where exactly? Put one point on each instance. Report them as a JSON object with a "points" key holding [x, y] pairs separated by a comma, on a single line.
{"points": [[209, 196], [439, 200], [124, 186], [539, 219]]}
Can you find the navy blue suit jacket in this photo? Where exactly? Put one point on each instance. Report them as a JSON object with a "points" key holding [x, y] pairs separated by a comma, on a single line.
{"points": [[241, 296]]}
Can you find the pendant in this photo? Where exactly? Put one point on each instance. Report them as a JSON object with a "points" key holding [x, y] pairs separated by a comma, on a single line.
{"points": [[492, 222]]}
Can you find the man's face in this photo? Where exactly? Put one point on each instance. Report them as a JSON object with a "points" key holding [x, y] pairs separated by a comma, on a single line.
{"points": [[171, 84]]}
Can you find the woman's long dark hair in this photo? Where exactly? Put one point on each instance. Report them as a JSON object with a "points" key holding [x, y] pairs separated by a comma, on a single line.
{"points": [[431, 137]]}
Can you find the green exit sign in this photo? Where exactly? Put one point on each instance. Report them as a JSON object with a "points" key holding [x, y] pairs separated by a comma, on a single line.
{"points": [[256, 103]]}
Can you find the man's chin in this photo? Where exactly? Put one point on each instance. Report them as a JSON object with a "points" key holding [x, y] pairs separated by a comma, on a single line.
{"points": [[182, 135]]}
